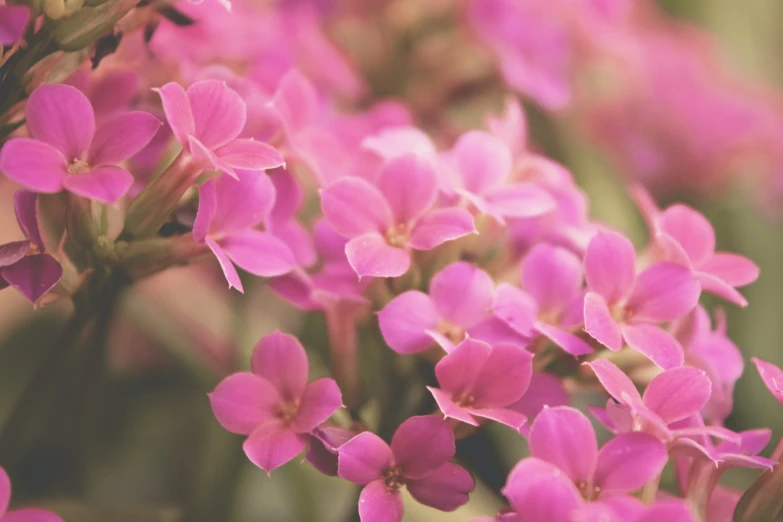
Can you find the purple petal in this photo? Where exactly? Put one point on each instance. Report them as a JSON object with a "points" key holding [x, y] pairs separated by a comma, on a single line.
{"points": [[482, 160], [691, 230], [370, 255], [33, 164], [12, 252], [122, 137], [229, 271], [250, 155], [321, 398], [664, 292], [462, 294], [26, 210], [678, 393], [405, 320], [364, 458], [600, 324], [219, 113], [207, 209], [354, 207], [655, 343], [545, 390], [503, 378], [271, 445], [106, 184], [5, 491], [176, 106], [377, 504], [565, 340], [508, 417], [610, 266], [615, 382], [459, 371], [446, 489], [772, 377], [736, 270], [13, 22], [553, 276], [243, 202], [421, 445], [438, 226], [541, 491], [259, 253], [520, 200], [31, 515], [628, 462], [281, 359], [324, 444], [564, 437], [33, 276], [61, 116], [410, 186], [449, 408], [243, 401]]}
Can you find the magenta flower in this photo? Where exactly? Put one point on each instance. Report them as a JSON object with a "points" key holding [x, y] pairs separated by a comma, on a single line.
{"points": [[772, 377], [479, 380], [23, 264], [418, 459], [66, 152], [275, 405], [477, 170], [228, 211], [460, 298], [20, 515], [207, 120], [623, 306], [13, 22], [386, 221]]}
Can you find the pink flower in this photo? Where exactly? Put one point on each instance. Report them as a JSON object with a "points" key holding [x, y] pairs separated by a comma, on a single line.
{"points": [[418, 458], [207, 120], [20, 515], [479, 380], [545, 391], [13, 22], [622, 305], [66, 151], [772, 377], [23, 264], [386, 221], [228, 211], [275, 405]]}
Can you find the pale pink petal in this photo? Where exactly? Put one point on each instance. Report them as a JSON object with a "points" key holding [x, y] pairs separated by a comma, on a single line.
{"points": [[655, 343], [33, 276], [421, 445], [364, 458], [628, 462], [31, 515], [405, 320], [225, 264], [508, 417], [26, 210], [296, 101], [219, 113], [377, 504], [298, 239], [462, 294], [541, 492], [281, 359], [250, 155], [449, 408], [12, 252], [672, 510], [600, 324], [242, 202], [719, 287], [736, 270], [259, 253], [176, 106], [691, 230], [664, 292], [772, 377], [446, 489], [205, 159], [553, 276], [121, 137], [106, 184], [516, 308], [615, 382], [5, 491], [410, 185], [678, 393], [482, 160], [397, 141], [321, 398], [564, 437], [438, 226], [520, 200], [354, 207], [610, 266], [243, 401], [271, 445], [459, 371], [503, 378], [567, 341], [207, 209], [370, 255], [61, 116], [33, 164]]}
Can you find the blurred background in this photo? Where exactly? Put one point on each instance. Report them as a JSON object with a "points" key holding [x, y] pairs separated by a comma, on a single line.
{"points": [[134, 440]]}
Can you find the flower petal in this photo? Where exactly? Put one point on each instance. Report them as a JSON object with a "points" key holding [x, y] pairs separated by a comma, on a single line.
{"points": [[176, 106], [281, 359], [296, 101], [600, 324], [610, 266], [541, 491], [716, 286], [520, 200], [449, 409], [691, 230], [26, 210], [628, 462], [121, 137], [33, 276], [354, 207], [243, 401], [397, 141], [446, 489], [462, 294], [377, 504], [370, 255], [271, 445], [405, 320], [553, 276], [678, 393], [61, 116], [655, 343], [321, 398], [615, 382], [229, 271], [508, 417], [772, 377], [516, 308], [410, 185], [106, 184], [207, 209], [460, 369], [12, 252], [219, 113], [250, 155], [421, 445], [205, 159], [503, 378], [664, 292], [259, 253], [565, 340], [482, 160], [438, 226], [674, 510], [244, 201], [736, 270], [563, 436], [363, 458], [5, 491], [13, 21], [31, 515], [33, 164]]}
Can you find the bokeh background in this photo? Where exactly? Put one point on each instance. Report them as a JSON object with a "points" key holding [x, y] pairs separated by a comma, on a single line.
{"points": [[138, 443]]}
